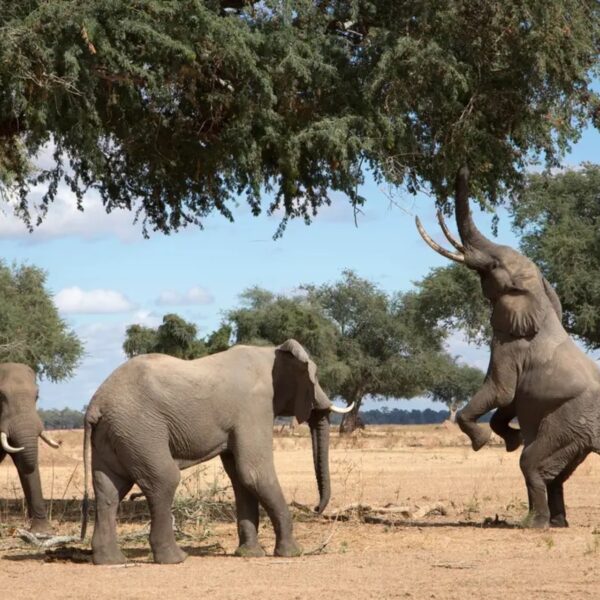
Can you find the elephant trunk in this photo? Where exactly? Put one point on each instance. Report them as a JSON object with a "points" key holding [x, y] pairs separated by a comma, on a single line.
{"points": [[319, 431], [477, 248], [25, 435]]}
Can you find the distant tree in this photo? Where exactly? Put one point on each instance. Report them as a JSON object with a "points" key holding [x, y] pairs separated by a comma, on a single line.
{"points": [[176, 108], [558, 217], [65, 418], [365, 342], [176, 337], [31, 330], [454, 384]]}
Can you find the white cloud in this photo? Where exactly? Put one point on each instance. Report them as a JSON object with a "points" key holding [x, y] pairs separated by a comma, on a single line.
{"points": [[75, 300], [195, 295]]}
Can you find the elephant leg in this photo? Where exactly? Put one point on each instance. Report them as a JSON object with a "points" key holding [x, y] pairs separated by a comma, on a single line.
{"points": [[109, 489], [32, 490], [159, 489], [259, 477], [247, 512], [500, 425], [542, 462], [556, 499]]}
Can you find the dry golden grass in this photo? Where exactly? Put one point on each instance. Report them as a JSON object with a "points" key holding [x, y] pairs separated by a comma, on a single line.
{"points": [[440, 556]]}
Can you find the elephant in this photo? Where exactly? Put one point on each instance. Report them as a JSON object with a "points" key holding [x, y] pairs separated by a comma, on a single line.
{"points": [[536, 371], [156, 415], [20, 427]]}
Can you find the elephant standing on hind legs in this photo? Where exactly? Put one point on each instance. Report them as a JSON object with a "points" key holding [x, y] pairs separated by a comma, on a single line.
{"points": [[536, 371], [156, 415], [20, 428]]}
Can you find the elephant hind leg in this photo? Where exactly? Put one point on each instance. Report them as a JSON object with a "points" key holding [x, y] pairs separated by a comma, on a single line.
{"points": [[247, 511], [556, 500], [109, 489], [159, 482], [542, 463]]}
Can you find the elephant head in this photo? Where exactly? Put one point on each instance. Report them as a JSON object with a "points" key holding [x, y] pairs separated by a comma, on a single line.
{"points": [[20, 425], [297, 393], [518, 293]]}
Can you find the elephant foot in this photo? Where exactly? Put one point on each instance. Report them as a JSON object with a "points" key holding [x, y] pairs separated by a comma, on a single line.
{"points": [[108, 557], [41, 526], [512, 440], [171, 555], [290, 548], [559, 521], [250, 551], [479, 438], [535, 521]]}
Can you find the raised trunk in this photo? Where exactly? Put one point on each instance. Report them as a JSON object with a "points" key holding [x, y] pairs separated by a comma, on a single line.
{"points": [[477, 246], [319, 431]]}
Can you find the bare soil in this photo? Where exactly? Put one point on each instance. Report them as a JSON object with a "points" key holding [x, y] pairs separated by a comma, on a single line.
{"points": [[439, 549]]}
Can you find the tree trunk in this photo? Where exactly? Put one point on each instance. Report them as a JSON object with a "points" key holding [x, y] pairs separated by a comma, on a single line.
{"points": [[352, 421], [453, 408]]}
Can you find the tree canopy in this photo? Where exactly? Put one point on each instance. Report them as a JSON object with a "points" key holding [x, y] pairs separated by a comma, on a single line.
{"points": [[175, 108], [31, 330], [364, 341], [174, 336]]}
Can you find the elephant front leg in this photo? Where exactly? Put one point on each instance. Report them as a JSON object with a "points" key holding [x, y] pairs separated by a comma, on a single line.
{"points": [[260, 478], [500, 425], [247, 512], [36, 507]]}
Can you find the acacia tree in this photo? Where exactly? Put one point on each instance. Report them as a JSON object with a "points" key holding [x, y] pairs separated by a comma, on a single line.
{"points": [[173, 108], [453, 383], [364, 341], [31, 330], [174, 336]]}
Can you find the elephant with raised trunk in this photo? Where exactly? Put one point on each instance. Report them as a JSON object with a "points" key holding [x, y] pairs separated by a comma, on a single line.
{"points": [[20, 429], [536, 371], [156, 415]]}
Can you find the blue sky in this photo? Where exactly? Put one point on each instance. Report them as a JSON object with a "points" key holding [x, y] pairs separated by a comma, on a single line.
{"points": [[105, 275]]}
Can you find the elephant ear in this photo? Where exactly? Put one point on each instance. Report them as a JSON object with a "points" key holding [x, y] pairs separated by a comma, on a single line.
{"points": [[306, 397], [520, 311]]}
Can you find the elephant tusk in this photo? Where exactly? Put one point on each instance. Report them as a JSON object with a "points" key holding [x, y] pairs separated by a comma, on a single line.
{"points": [[439, 249], [341, 411], [49, 440], [448, 233], [6, 446]]}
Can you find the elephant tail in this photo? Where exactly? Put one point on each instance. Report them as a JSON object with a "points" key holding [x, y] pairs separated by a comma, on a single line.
{"points": [[91, 418]]}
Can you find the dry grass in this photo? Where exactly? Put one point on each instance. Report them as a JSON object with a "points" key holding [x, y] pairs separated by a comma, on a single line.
{"points": [[440, 554]]}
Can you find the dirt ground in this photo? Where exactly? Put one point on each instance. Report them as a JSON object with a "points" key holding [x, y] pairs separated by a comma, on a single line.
{"points": [[437, 547]]}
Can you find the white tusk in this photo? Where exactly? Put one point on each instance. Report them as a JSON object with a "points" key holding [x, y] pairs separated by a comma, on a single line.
{"points": [[341, 411], [439, 249], [49, 440], [7, 447]]}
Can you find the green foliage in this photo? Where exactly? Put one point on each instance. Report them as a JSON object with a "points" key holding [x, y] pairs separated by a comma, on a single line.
{"points": [[364, 341], [454, 383], [174, 108], [31, 330], [176, 337], [558, 217], [451, 297]]}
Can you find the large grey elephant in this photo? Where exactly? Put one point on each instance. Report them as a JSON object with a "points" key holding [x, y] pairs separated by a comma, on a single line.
{"points": [[157, 414], [20, 428], [536, 371]]}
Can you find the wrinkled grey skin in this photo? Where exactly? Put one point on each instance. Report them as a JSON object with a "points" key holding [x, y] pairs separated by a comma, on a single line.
{"points": [[536, 371], [156, 415], [20, 421]]}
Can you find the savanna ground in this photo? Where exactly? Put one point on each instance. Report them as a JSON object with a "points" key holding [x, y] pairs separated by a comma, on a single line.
{"points": [[437, 542]]}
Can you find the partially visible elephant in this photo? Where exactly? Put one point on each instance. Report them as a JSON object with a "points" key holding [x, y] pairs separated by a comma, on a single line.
{"points": [[536, 371], [20, 428], [156, 415]]}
